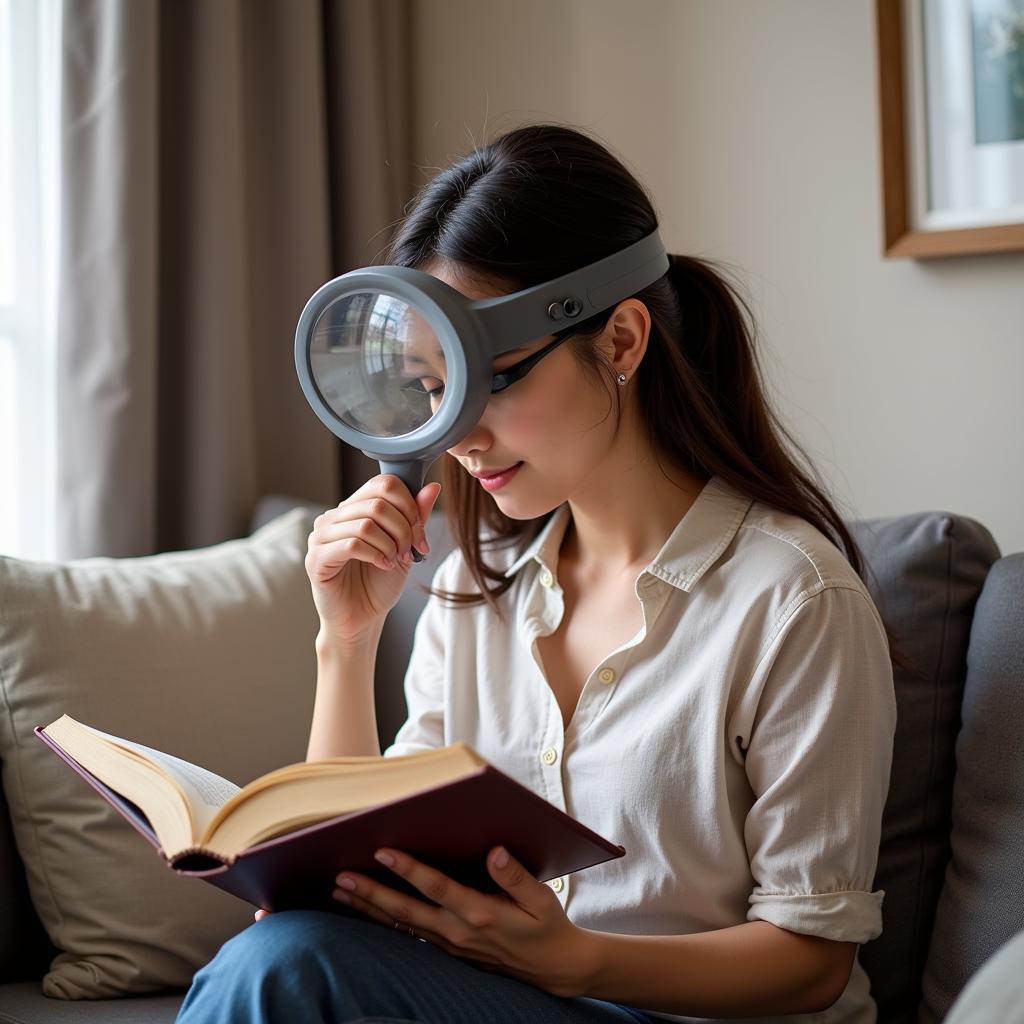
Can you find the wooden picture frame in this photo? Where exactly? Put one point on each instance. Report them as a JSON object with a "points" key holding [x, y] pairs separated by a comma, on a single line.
{"points": [[903, 155]]}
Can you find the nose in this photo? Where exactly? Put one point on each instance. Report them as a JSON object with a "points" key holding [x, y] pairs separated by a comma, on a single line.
{"points": [[479, 439]]}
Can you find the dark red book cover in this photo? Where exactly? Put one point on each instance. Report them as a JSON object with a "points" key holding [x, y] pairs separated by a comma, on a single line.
{"points": [[452, 827]]}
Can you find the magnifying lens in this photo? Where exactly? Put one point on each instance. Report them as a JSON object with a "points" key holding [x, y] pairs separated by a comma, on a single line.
{"points": [[399, 364]]}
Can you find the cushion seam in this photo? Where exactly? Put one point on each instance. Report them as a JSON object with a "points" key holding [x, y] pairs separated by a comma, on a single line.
{"points": [[922, 954], [215, 550]]}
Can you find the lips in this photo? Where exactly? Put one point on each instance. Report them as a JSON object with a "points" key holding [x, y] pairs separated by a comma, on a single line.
{"points": [[483, 474], [495, 480]]}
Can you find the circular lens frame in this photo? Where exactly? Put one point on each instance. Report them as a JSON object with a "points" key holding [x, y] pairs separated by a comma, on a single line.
{"points": [[457, 330]]}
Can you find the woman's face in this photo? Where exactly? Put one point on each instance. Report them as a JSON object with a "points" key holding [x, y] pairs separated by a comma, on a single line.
{"points": [[552, 428]]}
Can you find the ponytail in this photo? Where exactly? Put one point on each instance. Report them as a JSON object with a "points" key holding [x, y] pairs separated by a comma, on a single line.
{"points": [[701, 396]]}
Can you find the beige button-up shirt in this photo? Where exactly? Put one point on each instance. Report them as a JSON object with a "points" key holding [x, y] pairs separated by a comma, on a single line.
{"points": [[738, 746]]}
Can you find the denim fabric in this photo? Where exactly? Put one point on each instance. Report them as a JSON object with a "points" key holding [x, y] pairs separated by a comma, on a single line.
{"points": [[312, 967]]}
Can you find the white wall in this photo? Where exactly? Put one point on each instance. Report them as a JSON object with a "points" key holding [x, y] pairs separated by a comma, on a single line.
{"points": [[754, 125]]}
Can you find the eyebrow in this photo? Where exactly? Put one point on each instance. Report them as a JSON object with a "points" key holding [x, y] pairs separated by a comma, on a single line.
{"points": [[412, 359]]}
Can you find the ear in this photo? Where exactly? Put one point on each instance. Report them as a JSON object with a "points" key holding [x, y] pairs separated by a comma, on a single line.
{"points": [[627, 331]]}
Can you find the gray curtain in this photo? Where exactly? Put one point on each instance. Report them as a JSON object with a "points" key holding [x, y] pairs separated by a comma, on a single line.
{"points": [[220, 160]]}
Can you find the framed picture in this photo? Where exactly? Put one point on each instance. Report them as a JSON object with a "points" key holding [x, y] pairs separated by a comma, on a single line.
{"points": [[951, 98]]}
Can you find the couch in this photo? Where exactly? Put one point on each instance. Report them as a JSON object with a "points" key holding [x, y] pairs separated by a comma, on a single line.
{"points": [[951, 859]]}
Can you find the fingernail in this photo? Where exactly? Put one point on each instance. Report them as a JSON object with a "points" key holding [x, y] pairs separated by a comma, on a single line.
{"points": [[423, 545], [347, 883], [385, 858], [501, 857], [342, 897]]}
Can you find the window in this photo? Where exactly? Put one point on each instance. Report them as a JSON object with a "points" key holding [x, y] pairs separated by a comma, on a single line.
{"points": [[29, 219]]}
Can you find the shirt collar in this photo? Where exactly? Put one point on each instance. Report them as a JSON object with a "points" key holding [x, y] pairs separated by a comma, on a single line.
{"points": [[544, 547], [696, 543], [700, 537]]}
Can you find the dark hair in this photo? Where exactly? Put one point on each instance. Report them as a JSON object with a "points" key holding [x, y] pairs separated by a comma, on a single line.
{"points": [[545, 199]]}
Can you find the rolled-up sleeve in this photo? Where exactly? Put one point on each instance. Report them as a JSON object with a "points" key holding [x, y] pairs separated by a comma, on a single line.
{"points": [[818, 760]]}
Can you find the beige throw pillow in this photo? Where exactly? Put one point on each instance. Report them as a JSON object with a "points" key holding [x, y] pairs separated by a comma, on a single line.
{"points": [[207, 654]]}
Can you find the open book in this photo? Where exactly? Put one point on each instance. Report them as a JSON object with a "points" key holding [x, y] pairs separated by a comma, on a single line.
{"points": [[275, 839]]}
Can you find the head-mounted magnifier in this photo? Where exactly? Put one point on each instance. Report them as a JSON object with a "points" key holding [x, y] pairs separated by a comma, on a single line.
{"points": [[399, 364]]}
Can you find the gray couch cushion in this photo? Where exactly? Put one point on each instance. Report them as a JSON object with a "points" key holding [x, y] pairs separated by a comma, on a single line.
{"points": [[982, 901], [927, 571], [25, 1003], [996, 992]]}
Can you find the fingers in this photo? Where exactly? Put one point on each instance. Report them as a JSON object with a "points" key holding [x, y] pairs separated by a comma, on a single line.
{"points": [[464, 922], [467, 904], [382, 514], [426, 499], [425, 502], [324, 562], [532, 895], [393, 491], [397, 910], [415, 511], [375, 528]]}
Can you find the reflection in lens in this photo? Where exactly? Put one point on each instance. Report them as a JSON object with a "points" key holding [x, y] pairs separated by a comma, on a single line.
{"points": [[377, 363]]}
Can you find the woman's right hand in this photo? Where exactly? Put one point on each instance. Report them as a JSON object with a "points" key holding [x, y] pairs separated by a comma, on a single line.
{"points": [[358, 556]]}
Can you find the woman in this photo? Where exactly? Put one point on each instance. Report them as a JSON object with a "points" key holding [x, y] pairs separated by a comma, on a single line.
{"points": [[654, 618]]}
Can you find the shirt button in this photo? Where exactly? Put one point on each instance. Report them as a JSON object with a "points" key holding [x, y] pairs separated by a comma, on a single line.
{"points": [[557, 884], [606, 675], [546, 579], [550, 756]]}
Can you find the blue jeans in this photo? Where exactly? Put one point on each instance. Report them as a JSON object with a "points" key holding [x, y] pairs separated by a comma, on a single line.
{"points": [[313, 967]]}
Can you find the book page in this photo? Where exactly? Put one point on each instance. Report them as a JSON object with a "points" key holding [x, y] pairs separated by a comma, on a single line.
{"points": [[205, 791]]}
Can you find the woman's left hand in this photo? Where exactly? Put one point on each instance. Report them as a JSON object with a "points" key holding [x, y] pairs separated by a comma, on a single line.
{"points": [[523, 933]]}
